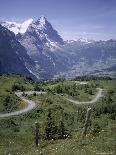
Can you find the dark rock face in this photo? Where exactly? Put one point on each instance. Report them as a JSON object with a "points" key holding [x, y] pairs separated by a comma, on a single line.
{"points": [[13, 56]]}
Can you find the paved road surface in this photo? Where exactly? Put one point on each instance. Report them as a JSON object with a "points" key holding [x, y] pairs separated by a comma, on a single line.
{"points": [[99, 94], [31, 104]]}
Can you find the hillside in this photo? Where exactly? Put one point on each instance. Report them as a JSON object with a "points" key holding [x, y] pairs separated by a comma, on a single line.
{"points": [[8, 85], [60, 121]]}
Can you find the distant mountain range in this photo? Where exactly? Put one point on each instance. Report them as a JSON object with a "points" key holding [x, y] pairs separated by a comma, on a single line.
{"points": [[36, 49]]}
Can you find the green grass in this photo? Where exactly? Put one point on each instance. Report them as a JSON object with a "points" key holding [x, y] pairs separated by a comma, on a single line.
{"points": [[72, 90], [82, 95], [6, 83], [17, 134], [22, 142]]}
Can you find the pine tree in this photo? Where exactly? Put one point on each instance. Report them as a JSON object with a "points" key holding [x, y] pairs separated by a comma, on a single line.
{"points": [[51, 128]]}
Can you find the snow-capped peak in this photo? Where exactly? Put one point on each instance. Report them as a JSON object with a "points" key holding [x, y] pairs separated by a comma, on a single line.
{"points": [[82, 40], [40, 29], [42, 22], [25, 25], [17, 27], [85, 40]]}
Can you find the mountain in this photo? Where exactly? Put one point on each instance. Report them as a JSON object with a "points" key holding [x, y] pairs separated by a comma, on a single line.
{"points": [[40, 36], [17, 27], [13, 56], [90, 58], [41, 40], [54, 57]]}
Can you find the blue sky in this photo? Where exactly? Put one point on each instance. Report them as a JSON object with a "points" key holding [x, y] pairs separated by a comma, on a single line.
{"points": [[94, 19]]}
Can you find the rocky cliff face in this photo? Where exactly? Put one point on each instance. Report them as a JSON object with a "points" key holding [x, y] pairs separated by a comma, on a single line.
{"points": [[41, 40], [13, 56]]}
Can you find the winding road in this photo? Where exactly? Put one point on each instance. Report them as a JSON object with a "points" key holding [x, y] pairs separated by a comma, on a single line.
{"points": [[99, 94], [31, 104]]}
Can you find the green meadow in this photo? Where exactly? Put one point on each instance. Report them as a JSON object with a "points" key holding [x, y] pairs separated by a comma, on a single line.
{"points": [[60, 122]]}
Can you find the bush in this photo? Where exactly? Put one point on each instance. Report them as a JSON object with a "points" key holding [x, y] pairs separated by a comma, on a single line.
{"points": [[18, 86], [10, 103], [38, 87], [55, 128], [96, 128]]}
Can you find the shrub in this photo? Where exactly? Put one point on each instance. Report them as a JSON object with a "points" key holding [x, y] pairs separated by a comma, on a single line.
{"points": [[18, 86]]}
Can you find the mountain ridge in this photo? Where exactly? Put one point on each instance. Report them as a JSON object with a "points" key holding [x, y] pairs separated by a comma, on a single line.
{"points": [[53, 56], [13, 56]]}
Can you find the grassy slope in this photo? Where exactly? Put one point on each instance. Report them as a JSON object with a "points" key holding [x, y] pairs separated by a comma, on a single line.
{"points": [[6, 83], [80, 93], [17, 133]]}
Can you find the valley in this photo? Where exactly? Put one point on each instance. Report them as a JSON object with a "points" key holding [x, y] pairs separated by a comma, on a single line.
{"points": [[39, 51]]}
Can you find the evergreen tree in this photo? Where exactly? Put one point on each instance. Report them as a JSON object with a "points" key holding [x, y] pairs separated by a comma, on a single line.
{"points": [[51, 128]]}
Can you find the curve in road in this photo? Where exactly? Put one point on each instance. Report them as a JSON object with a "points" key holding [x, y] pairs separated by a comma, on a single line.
{"points": [[31, 104], [99, 94]]}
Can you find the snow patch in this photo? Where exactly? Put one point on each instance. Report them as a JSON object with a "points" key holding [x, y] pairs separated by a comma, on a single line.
{"points": [[17, 27]]}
